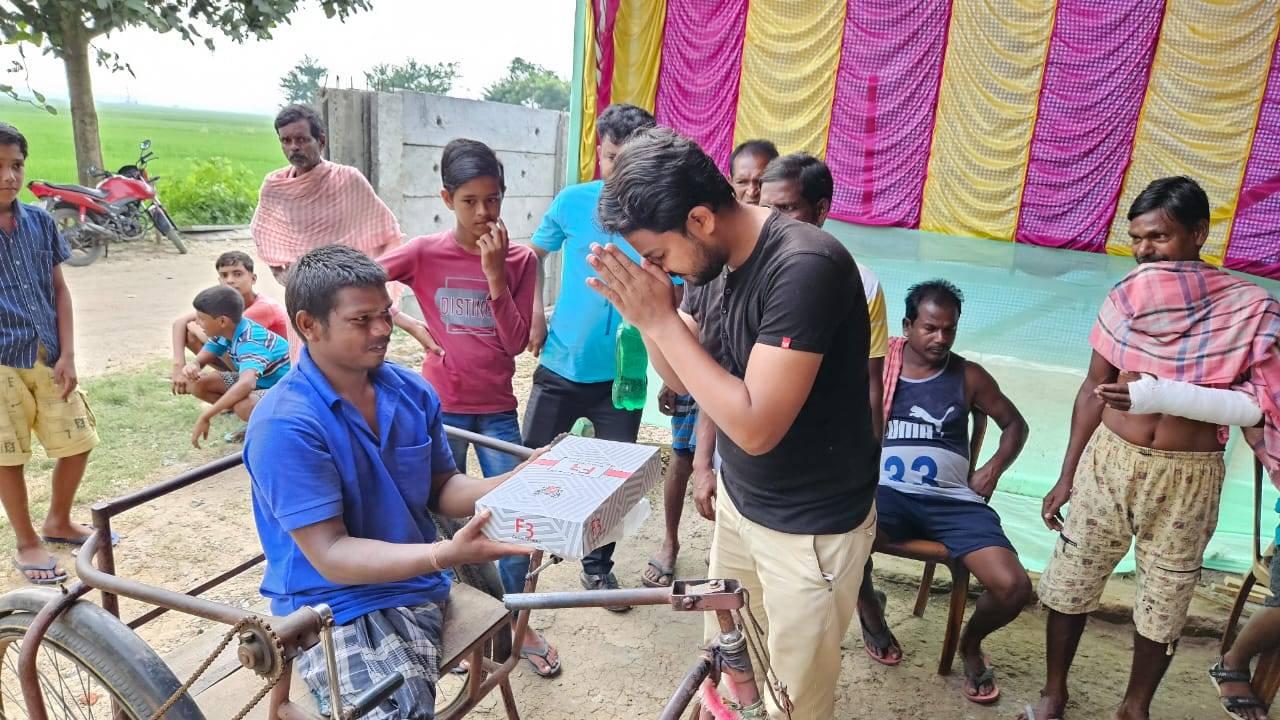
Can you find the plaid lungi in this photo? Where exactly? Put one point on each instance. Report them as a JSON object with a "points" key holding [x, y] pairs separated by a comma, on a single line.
{"points": [[371, 647], [683, 422]]}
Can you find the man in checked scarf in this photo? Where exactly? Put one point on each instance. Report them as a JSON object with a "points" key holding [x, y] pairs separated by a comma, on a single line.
{"points": [[313, 202], [1154, 477]]}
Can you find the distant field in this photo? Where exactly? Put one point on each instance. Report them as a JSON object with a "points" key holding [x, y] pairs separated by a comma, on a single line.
{"points": [[178, 138]]}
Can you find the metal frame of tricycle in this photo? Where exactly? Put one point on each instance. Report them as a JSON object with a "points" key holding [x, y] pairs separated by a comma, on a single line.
{"points": [[729, 656], [293, 631]]}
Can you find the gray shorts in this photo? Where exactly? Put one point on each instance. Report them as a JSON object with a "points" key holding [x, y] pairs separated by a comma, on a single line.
{"points": [[373, 646], [230, 378]]}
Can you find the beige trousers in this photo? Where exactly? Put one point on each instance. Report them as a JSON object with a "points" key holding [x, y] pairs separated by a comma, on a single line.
{"points": [[803, 590]]}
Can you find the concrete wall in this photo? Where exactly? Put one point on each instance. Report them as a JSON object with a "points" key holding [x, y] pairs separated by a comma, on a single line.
{"points": [[397, 138]]}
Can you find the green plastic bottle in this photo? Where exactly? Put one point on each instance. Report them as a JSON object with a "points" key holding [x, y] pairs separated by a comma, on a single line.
{"points": [[631, 380]]}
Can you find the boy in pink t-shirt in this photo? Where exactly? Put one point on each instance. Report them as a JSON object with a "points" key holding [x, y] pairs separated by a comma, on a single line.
{"points": [[235, 269], [476, 293]]}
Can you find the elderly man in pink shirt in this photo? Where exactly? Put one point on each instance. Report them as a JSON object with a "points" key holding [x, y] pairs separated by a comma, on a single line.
{"points": [[314, 202]]}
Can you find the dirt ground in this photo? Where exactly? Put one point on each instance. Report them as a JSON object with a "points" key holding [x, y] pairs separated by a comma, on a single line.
{"points": [[615, 666]]}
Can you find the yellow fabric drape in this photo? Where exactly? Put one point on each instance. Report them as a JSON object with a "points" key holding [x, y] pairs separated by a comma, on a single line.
{"points": [[637, 47], [789, 59], [1207, 80], [987, 105], [590, 81]]}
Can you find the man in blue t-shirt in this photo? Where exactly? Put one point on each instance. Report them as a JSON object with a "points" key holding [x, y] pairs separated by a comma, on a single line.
{"points": [[347, 454], [575, 378]]}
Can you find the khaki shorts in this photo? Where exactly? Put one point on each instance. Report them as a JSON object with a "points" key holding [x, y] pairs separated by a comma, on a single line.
{"points": [[33, 402], [1167, 501]]}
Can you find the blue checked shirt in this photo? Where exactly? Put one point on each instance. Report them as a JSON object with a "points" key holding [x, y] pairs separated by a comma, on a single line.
{"points": [[254, 347], [28, 315]]}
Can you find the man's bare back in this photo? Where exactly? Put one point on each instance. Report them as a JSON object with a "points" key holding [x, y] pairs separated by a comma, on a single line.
{"points": [[1161, 432]]}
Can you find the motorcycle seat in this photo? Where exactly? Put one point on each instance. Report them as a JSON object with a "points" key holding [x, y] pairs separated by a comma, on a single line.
{"points": [[91, 192]]}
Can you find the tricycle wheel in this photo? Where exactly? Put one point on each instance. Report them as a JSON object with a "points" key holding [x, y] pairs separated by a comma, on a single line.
{"points": [[82, 674]]}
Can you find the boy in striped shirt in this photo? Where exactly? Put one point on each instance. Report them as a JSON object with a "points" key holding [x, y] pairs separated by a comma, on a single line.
{"points": [[259, 358], [39, 391]]}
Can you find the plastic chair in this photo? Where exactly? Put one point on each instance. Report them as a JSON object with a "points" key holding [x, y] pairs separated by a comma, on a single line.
{"points": [[1266, 677], [934, 553]]}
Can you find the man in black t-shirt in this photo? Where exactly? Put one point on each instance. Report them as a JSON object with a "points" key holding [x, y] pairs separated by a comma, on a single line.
{"points": [[795, 515]]}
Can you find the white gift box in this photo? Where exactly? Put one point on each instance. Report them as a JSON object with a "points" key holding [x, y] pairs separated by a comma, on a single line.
{"points": [[574, 498]]}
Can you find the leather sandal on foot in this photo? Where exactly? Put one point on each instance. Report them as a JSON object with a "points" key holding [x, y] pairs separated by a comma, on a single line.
{"points": [[553, 669], [50, 566], [664, 573], [975, 681], [1233, 704], [883, 641], [603, 582]]}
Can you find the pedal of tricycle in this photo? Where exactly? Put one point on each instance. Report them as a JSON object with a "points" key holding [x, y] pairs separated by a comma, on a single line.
{"points": [[710, 594]]}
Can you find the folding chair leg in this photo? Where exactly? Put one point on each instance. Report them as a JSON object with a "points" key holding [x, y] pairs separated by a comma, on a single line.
{"points": [[955, 616], [509, 700], [1233, 620], [926, 583], [1266, 678]]}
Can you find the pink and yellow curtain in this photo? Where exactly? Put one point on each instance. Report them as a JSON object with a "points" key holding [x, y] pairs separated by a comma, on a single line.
{"points": [[1036, 121]]}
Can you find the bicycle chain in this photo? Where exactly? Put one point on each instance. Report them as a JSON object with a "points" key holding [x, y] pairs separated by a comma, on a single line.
{"points": [[277, 655], [756, 646]]}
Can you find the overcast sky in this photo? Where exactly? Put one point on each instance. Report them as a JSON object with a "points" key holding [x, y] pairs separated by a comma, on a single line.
{"points": [[481, 35]]}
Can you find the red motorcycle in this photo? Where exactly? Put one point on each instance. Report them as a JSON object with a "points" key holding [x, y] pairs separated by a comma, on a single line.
{"points": [[124, 206]]}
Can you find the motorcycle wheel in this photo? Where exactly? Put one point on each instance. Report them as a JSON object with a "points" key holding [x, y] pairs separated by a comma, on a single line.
{"points": [[84, 250], [164, 224]]}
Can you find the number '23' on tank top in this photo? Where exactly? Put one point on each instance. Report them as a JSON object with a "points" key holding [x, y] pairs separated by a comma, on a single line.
{"points": [[926, 441]]}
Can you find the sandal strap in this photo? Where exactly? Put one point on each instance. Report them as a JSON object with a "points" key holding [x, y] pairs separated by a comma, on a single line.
{"points": [[988, 675], [663, 570], [883, 640], [1242, 703], [1221, 674]]}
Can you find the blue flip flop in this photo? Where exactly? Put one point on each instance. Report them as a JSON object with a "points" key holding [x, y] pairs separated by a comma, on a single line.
{"points": [[50, 566], [77, 542]]}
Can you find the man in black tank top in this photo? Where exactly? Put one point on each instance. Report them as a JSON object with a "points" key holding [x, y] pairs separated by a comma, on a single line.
{"points": [[930, 485]]}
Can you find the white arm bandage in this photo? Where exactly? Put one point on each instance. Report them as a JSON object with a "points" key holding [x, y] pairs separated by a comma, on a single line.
{"points": [[1211, 405]]}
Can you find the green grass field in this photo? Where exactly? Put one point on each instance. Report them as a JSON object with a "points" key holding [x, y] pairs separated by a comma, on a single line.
{"points": [[178, 138]]}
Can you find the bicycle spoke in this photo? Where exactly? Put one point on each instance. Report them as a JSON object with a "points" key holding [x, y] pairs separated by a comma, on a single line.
{"points": [[84, 701], [61, 675], [66, 697], [45, 684], [88, 691], [57, 671], [17, 699]]}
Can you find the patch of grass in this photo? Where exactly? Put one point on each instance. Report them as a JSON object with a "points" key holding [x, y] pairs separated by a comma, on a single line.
{"points": [[216, 192], [145, 434], [178, 137], [146, 437]]}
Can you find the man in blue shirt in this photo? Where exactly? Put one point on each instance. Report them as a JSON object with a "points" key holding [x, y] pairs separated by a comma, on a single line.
{"points": [[37, 371], [346, 454], [575, 378]]}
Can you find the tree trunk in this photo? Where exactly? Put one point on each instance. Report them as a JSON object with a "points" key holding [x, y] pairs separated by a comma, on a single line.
{"points": [[84, 117]]}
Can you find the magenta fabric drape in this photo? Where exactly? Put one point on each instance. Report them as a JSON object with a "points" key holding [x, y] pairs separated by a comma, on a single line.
{"points": [[883, 112], [698, 78], [606, 17], [1094, 84], [1254, 245]]}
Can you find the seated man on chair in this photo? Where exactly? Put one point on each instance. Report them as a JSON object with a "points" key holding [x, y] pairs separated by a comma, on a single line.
{"points": [[347, 454], [927, 490]]}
